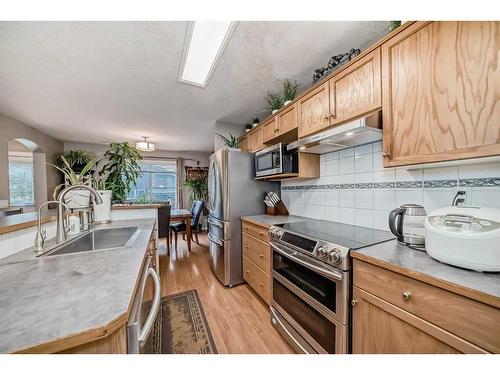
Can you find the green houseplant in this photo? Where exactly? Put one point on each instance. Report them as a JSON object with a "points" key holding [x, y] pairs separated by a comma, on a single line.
{"points": [[120, 169], [289, 91], [198, 187], [231, 142], [77, 159], [76, 198], [274, 101]]}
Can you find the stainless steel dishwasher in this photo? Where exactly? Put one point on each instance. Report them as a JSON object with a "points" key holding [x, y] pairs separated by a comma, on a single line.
{"points": [[144, 325]]}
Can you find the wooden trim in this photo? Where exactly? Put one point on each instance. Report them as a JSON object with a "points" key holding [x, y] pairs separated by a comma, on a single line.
{"points": [[455, 288], [256, 222], [421, 324], [116, 343]]}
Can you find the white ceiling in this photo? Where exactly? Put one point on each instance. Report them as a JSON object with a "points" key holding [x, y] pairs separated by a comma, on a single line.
{"points": [[104, 81]]}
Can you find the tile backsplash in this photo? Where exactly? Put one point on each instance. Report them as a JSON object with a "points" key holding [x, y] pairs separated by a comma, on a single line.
{"points": [[354, 187]]}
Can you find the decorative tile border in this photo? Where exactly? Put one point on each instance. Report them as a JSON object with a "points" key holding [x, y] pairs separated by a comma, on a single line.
{"points": [[470, 182], [480, 182]]}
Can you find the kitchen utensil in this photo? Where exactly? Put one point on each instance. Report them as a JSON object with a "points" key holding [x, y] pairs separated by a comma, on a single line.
{"points": [[467, 237], [407, 224]]}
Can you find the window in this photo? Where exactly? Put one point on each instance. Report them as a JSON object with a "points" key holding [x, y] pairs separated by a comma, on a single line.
{"points": [[157, 182], [21, 189]]}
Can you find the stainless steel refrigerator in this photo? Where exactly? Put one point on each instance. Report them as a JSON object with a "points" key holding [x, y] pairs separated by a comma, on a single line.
{"points": [[232, 193]]}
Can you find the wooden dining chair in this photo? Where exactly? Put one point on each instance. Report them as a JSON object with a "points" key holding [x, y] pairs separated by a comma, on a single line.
{"points": [[196, 210], [164, 224]]}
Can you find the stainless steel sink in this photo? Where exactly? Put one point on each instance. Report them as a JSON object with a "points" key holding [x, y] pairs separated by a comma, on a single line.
{"points": [[97, 239]]}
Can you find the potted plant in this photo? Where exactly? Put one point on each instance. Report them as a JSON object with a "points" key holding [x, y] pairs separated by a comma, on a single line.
{"points": [[248, 127], [255, 122], [120, 168], [274, 101], [289, 91], [77, 159], [77, 198], [102, 212], [232, 142]]}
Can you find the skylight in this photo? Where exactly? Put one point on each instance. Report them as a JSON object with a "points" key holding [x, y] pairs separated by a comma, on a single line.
{"points": [[204, 46]]}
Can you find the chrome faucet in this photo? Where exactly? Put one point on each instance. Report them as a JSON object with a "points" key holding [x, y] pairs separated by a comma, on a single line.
{"points": [[61, 232], [41, 235]]}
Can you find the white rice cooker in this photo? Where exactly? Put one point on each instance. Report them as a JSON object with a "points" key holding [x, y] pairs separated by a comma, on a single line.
{"points": [[467, 237]]}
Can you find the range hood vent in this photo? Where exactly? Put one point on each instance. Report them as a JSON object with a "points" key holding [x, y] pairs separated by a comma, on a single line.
{"points": [[355, 133]]}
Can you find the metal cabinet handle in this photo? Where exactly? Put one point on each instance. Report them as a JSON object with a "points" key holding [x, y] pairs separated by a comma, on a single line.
{"points": [[354, 302], [325, 117], [148, 325], [406, 296], [386, 155], [261, 255]]}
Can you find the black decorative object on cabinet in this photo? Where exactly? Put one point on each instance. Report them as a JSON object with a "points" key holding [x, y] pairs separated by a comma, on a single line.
{"points": [[334, 63]]}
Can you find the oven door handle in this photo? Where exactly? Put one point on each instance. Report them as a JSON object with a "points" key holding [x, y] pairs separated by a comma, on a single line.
{"points": [[330, 274], [289, 334]]}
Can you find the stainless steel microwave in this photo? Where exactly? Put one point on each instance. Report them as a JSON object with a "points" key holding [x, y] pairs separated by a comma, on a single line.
{"points": [[275, 160]]}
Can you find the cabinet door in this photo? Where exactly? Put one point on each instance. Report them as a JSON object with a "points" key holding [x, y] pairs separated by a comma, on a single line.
{"points": [[269, 130], [244, 144], [314, 110], [255, 140], [357, 90], [379, 327], [441, 92], [286, 120]]}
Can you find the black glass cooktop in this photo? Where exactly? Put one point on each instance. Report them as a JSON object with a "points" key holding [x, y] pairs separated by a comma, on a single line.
{"points": [[350, 236]]}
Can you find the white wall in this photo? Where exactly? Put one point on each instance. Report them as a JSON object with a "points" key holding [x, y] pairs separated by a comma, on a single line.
{"points": [[354, 187], [226, 128]]}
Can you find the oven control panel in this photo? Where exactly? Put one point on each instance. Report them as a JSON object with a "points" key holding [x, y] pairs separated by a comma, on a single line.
{"points": [[324, 251]]}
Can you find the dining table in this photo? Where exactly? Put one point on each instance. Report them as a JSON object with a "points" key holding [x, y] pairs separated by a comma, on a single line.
{"points": [[183, 215]]}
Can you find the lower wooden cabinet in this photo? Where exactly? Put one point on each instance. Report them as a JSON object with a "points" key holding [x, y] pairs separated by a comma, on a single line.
{"points": [[393, 313], [256, 259]]}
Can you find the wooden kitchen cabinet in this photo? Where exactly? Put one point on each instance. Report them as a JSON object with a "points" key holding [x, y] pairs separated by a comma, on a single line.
{"points": [[356, 91], [394, 313], [441, 92], [256, 258], [254, 140], [313, 110], [269, 129], [244, 143], [281, 127]]}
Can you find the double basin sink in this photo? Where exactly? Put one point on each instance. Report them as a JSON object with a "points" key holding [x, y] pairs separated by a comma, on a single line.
{"points": [[97, 239]]}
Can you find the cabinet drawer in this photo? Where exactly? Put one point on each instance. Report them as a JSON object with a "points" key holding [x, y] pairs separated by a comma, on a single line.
{"points": [[257, 231], [257, 251], [257, 279], [473, 321]]}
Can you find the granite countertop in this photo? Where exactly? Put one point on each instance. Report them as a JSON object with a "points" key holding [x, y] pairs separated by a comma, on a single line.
{"points": [[482, 286], [268, 220], [53, 299], [21, 221]]}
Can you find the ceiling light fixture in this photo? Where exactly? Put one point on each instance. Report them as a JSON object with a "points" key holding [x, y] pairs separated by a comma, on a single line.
{"points": [[145, 145], [203, 47]]}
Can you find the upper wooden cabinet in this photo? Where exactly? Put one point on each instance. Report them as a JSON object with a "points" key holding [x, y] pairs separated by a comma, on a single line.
{"points": [[357, 90], [254, 140], [244, 143], [441, 92], [281, 125], [313, 110]]}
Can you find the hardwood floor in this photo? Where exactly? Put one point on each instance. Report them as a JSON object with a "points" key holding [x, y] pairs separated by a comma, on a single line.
{"points": [[239, 320]]}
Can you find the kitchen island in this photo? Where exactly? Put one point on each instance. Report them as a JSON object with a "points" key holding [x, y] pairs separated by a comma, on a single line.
{"points": [[71, 302]]}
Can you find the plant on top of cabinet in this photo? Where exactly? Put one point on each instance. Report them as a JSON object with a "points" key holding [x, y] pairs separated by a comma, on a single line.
{"points": [[274, 101], [255, 122], [120, 165], [248, 127], [289, 91], [77, 159], [231, 142]]}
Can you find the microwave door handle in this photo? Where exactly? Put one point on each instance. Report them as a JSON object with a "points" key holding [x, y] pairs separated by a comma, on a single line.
{"points": [[155, 306], [326, 273]]}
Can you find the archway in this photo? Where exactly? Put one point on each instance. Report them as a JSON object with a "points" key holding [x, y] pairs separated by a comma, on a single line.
{"points": [[27, 174]]}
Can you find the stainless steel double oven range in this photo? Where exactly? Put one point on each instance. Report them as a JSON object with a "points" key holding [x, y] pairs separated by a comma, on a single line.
{"points": [[311, 282]]}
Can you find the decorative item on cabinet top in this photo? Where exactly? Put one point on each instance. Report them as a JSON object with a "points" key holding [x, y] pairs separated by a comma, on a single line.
{"points": [[334, 63]]}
